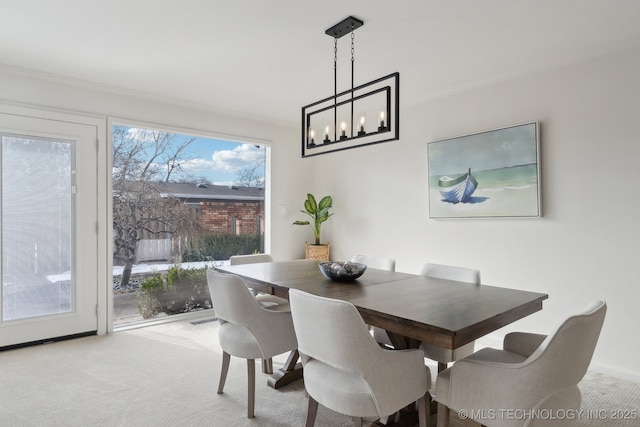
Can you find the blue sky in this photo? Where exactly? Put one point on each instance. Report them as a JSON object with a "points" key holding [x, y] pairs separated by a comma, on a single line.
{"points": [[220, 160], [216, 159]]}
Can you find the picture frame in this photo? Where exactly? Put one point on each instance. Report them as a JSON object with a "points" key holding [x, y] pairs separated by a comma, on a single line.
{"points": [[489, 174]]}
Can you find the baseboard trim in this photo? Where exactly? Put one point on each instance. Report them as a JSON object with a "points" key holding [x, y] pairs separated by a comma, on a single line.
{"points": [[48, 340]]}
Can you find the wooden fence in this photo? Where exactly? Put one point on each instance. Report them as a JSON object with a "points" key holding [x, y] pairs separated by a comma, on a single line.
{"points": [[154, 250]]}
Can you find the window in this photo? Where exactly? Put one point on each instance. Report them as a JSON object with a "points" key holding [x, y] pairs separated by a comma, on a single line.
{"points": [[180, 202]]}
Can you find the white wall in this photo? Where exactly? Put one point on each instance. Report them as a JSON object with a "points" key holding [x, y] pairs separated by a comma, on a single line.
{"points": [[585, 245], [581, 249]]}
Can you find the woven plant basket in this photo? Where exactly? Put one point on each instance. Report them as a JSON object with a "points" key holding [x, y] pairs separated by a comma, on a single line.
{"points": [[317, 252]]}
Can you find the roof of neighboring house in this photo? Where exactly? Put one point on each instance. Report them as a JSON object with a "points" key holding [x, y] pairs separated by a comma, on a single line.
{"points": [[210, 191], [191, 192]]}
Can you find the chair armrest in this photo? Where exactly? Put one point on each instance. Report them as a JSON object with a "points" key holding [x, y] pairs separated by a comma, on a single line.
{"points": [[487, 384], [522, 342]]}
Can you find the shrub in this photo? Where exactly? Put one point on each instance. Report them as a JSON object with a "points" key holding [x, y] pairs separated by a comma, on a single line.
{"points": [[221, 246], [178, 291]]}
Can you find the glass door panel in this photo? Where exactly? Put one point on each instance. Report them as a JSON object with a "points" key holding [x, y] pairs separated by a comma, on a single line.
{"points": [[48, 222], [37, 218]]}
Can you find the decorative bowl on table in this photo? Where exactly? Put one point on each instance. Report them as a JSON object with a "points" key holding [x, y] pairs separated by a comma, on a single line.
{"points": [[342, 271]]}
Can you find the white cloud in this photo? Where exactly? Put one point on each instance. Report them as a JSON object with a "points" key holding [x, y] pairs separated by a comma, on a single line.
{"points": [[197, 166], [226, 161], [241, 157]]}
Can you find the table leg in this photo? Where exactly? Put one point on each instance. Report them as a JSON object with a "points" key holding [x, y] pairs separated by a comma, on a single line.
{"points": [[401, 342], [290, 372]]}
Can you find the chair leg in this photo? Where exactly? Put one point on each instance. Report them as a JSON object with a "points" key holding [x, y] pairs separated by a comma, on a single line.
{"points": [[357, 421], [226, 357], [443, 415], [312, 411], [267, 366], [251, 377], [424, 415]]}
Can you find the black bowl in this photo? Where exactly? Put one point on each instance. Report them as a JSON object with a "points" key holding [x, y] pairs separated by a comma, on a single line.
{"points": [[342, 271]]}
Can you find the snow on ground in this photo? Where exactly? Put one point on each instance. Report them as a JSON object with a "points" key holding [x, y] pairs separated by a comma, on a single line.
{"points": [[144, 269]]}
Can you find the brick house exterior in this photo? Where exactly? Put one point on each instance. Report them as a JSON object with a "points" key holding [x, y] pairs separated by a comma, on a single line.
{"points": [[236, 217], [218, 209], [223, 209]]}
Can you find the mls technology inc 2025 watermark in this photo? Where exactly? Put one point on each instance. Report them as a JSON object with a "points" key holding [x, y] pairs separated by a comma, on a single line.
{"points": [[548, 414]]}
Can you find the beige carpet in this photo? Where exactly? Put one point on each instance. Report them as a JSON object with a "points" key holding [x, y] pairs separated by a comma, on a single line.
{"points": [[167, 375]]}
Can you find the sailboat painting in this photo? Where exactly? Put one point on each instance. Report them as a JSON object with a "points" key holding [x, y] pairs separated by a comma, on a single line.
{"points": [[489, 174]]}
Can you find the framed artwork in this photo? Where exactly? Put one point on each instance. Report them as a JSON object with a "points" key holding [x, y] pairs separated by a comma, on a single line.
{"points": [[491, 174]]}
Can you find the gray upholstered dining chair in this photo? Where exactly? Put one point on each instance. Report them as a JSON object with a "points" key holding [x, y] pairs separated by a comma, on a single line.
{"points": [[451, 272], [269, 301], [381, 263], [345, 369], [247, 329], [531, 374], [266, 300], [440, 354]]}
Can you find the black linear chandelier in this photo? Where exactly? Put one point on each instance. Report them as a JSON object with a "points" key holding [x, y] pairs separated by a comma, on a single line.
{"points": [[363, 115]]}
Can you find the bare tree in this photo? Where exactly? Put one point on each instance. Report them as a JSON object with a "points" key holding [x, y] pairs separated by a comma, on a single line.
{"points": [[142, 161], [250, 177], [173, 158]]}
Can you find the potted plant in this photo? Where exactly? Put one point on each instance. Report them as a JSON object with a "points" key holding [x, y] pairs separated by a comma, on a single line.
{"points": [[320, 213]]}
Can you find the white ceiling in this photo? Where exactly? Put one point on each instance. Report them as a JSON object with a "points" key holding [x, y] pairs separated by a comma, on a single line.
{"points": [[267, 58]]}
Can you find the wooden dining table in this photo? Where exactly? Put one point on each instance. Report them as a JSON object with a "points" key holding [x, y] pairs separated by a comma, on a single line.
{"points": [[411, 308]]}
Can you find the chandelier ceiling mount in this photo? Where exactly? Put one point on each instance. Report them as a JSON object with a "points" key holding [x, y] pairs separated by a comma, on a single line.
{"points": [[345, 117]]}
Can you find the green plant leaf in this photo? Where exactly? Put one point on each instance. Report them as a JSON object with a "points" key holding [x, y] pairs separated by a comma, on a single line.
{"points": [[301, 223], [307, 213], [322, 217], [310, 204], [325, 203]]}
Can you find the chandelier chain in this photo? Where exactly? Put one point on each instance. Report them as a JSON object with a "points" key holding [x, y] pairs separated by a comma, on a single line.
{"points": [[352, 45], [370, 95]]}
